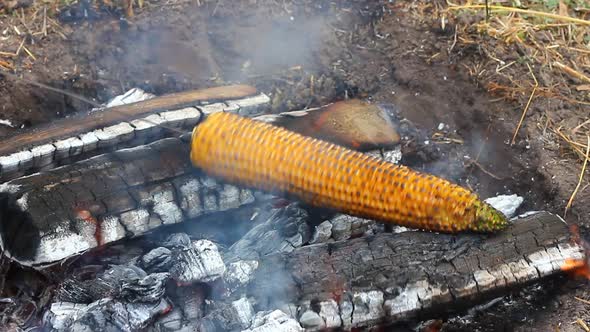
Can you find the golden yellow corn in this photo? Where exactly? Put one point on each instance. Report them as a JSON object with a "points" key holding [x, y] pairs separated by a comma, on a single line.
{"points": [[261, 156]]}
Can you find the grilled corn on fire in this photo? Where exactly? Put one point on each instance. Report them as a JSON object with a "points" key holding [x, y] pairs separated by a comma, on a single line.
{"points": [[261, 156]]}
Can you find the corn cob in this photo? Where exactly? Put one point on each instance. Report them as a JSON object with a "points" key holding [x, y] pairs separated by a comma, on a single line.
{"points": [[258, 155]]}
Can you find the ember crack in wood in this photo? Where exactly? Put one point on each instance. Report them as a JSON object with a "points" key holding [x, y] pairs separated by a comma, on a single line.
{"points": [[390, 278], [255, 154]]}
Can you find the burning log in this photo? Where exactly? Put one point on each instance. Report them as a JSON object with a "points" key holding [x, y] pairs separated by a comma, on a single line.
{"points": [[390, 278], [49, 216], [130, 121], [266, 286]]}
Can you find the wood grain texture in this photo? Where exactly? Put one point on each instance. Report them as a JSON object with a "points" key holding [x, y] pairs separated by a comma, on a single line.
{"points": [[390, 278], [84, 135], [52, 215], [87, 122]]}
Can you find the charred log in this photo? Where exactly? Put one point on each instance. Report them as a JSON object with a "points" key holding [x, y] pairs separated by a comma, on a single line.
{"points": [[68, 210], [125, 125], [389, 278]]}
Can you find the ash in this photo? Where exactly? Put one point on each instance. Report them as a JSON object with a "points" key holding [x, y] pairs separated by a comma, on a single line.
{"points": [[185, 284]]}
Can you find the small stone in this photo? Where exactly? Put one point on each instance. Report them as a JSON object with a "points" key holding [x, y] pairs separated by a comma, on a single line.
{"points": [[311, 319], [322, 232]]}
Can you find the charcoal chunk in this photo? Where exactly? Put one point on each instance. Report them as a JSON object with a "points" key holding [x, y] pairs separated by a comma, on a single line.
{"points": [[127, 282], [279, 230], [200, 261], [104, 315], [156, 260]]}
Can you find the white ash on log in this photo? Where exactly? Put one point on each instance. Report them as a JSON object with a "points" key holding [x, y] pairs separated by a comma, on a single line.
{"points": [[104, 315], [52, 215], [126, 282], [363, 282], [389, 278], [142, 296], [123, 194], [274, 321], [194, 261], [507, 204], [120, 125]]}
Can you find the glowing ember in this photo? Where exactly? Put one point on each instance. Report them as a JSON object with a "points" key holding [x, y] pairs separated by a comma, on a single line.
{"points": [[578, 267], [87, 216]]}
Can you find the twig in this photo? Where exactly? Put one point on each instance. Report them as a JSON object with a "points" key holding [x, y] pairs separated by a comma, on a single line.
{"points": [[582, 300], [522, 11], [29, 53], [480, 166], [20, 46], [6, 64], [45, 21], [583, 325], [454, 41], [526, 108], [570, 202], [574, 145], [572, 72], [50, 88]]}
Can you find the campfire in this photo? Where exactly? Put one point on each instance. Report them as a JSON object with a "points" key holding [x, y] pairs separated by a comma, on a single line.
{"points": [[144, 240], [295, 165]]}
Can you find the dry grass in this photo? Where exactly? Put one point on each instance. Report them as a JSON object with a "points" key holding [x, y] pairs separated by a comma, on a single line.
{"points": [[25, 29], [526, 40]]}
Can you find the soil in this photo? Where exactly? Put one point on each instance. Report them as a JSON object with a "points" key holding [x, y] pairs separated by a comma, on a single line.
{"points": [[309, 53]]}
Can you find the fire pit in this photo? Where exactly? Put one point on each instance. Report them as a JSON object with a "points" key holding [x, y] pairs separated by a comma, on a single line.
{"points": [[140, 236], [108, 223]]}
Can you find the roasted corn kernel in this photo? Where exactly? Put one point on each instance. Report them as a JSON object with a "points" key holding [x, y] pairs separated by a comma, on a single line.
{"points": [[258, 155]]}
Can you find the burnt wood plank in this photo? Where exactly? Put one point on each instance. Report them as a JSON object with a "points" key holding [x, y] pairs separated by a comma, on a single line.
{"points": [[93, 120], [85, 135], [390, 278], [52, 215]]}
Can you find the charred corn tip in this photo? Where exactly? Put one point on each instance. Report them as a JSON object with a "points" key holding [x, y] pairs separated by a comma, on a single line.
{"points": [[488, 219]]}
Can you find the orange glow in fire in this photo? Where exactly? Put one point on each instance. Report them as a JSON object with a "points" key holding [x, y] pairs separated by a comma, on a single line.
{"points": [[578, 267]]}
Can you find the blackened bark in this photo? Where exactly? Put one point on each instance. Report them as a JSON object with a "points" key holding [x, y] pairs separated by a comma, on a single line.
{"points": [[389, 278], [52, 215]]}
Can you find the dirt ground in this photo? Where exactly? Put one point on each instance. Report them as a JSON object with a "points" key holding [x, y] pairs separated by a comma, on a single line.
{"points": [[308, 53]]}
